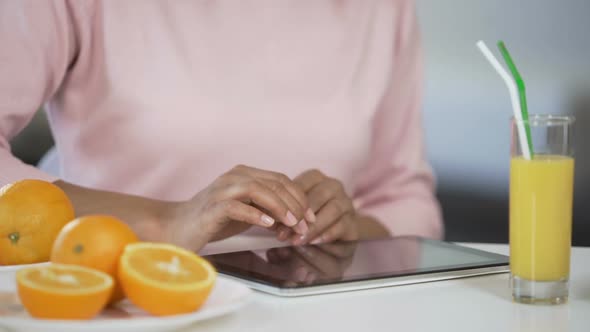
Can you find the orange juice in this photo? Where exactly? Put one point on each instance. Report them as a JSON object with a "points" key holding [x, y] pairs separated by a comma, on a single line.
{"points": [[541, 192]]}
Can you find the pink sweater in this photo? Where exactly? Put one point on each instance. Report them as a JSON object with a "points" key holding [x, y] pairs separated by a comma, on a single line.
{"points": [[158, 98]]}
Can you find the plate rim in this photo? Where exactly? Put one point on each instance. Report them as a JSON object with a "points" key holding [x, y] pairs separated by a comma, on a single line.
{"points": [[233, 304], [14, 268]]}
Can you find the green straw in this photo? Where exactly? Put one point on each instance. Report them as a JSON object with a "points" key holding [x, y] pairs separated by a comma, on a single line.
{"points": [[521, 92]]}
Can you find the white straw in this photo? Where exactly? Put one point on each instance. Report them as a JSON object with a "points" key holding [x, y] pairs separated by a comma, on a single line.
{"points": [[513, 97]]}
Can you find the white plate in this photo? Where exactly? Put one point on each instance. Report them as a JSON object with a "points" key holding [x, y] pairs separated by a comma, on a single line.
{"points": [[8, 273], [227, 296], [14, 268]]}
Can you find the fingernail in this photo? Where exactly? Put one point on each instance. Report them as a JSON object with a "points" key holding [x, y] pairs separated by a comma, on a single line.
{"points": [[283, 235], [310, 216], [299, 240], [311, 277], [301, 227], [317, 240], [268, 221], [292, 221]]}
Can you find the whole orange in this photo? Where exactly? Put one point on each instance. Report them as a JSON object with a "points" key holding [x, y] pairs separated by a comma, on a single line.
{"points": [[95, 241], [32, 212]]}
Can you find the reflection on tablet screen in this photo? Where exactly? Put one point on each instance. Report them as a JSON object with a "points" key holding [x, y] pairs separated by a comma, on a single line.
{"points": [[350, 261]]}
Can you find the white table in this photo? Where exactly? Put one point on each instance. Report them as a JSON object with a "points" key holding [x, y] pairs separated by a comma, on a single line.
{"points": [[471, 304]]}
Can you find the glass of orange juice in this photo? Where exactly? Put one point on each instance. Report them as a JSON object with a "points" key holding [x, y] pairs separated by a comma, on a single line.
{"points": [[541, 195]]}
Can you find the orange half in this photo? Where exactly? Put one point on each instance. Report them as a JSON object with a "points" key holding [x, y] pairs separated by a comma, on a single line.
{"points": [[60, 291], [164, 279]]}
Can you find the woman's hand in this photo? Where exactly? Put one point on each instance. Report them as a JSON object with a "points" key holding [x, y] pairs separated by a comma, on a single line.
{"points": [[243, 195], [335, 215]]}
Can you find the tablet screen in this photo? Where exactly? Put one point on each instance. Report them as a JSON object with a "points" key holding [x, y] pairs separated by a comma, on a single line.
{"points": [[351, 261]]}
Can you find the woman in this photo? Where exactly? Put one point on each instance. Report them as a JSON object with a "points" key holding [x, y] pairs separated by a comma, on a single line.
{"points": [[154, 103]]}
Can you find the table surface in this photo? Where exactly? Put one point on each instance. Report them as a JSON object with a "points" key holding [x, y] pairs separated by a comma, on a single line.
{"points": [[469, 304]]}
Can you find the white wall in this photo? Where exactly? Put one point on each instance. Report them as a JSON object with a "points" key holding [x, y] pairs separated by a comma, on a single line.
{"points": [[467, 107]]}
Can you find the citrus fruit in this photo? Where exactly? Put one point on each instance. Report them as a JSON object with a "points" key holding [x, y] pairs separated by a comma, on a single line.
{"points": [[94, 241], [59, 291], [164, 279], [32, 212]]}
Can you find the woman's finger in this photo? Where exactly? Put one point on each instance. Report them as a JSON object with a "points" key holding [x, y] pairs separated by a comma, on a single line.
{"points": [[331, 234], [258, 194], [294, 190], [328, 215], [290, 201], [309, 179], [343, 230], [301, 228], [323, 192], [283, 232], [239, 211]]}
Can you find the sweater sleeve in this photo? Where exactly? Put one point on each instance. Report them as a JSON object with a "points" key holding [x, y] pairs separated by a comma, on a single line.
{"points": [[397, 185], [37, 45]]}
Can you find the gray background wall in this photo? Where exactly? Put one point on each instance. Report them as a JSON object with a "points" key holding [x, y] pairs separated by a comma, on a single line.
{"points": [[467, 107]]}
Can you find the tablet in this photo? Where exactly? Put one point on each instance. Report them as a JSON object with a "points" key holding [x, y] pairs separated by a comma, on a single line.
{"points": [[348, 266]]}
